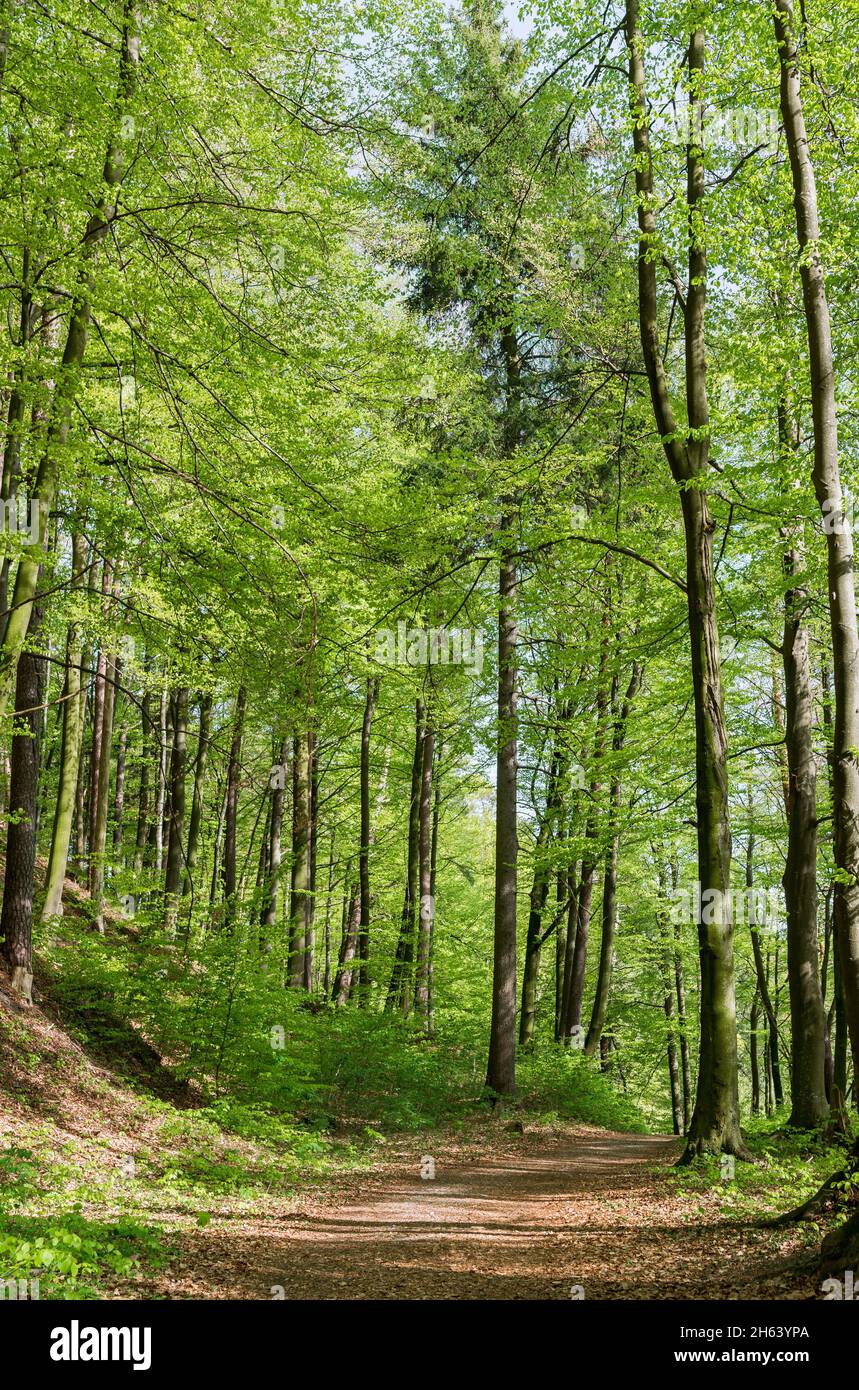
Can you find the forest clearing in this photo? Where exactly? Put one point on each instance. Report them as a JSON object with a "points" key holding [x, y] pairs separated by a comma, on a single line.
{"points": [[429, 663]]}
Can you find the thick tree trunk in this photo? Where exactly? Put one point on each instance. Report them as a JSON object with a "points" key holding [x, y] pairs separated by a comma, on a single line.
{"points": [[827, 485], [715, 1121], [809, 1107], [47, 477], [16, 919]]}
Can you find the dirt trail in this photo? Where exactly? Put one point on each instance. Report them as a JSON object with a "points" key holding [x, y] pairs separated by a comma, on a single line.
{"points": [[531, 1224]]}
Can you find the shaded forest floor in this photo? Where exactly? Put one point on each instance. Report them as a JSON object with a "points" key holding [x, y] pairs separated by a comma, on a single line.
{"points": [[136, 1192], [549, 1214]]}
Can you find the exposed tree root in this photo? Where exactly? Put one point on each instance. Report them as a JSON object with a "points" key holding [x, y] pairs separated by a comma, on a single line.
{"points": [[840, 1249], [832, 1193]]}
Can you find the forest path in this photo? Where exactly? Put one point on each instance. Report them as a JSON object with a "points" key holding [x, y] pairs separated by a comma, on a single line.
{"points": [[591, 1211]]}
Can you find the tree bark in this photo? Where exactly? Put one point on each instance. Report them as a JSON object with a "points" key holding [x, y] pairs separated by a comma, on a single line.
{"points": [[176, 824], [300, 871], [715, 1121], [204, 734], [809, 1107], [501, 1067], [364, 851], [839, 541], [70, 750], [231, 810], [16, 919], [609, 897], [47, 477], [400, 992], [426, 911]]}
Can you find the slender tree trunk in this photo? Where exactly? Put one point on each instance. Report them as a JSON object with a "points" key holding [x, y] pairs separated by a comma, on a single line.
{"points": [[204, 734], [346, 969], [685, 1055], [231, 810], [144, 798], [300, 874], [326, 967], [364, 851], [426, 914], [501, 1067], [156, 829], [560, 951], [609, 897], [539, 894], [753, 1054], [763, 983], [400, 988], [278, 797], [436, 813], [119, 790], [310, 898], [176, 826], [109, 670], [70, 751]]}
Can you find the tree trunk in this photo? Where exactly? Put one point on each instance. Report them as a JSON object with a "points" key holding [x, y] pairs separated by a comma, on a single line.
{"points": [[763, 983], [272, 896], [609, 897], [827, 485], [753, 1054], [715, 1120], [364, 851], [16, 919], [346, 970], [300, 873], [176, 824], [310, 898], [400, 988], [809, 1107], [501, 1067], [47, 477], [231, 810], [426, 913], [70, 750], [204, 733]]}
